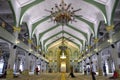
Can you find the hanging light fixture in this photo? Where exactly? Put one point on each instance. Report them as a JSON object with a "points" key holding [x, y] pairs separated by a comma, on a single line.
{"points": [[63, 47], [63, 56], [63, 13]]}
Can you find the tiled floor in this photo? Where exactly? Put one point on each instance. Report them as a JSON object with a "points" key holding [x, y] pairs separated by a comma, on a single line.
{"points": [[57, 76]]}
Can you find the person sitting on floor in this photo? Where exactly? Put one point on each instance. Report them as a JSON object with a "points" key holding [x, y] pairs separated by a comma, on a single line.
{"points": [[115, 75], [71, 72]]}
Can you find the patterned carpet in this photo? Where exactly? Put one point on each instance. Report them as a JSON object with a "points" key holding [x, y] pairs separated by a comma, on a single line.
{"points": [[57, 76]]}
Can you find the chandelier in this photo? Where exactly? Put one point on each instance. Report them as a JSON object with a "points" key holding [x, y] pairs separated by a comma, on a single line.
{"points": [[63, 47], [63, 13], [63, 56]]}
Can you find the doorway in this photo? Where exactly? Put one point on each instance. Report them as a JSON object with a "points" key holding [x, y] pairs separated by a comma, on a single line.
{"points": [[63, 66]]}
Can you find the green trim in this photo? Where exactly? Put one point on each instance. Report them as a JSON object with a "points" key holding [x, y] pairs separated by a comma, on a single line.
{"points": [[75, 37], [44, 42], [43, 33], [35, 39], [52, 37], [27, 29], [11, 7], [113, 11], [100, 6], [38, 22], [66, 39], [81, 41], [98, 28], [90, 40], [40, 45], [90, 24], [26, 7], [83, 33]]}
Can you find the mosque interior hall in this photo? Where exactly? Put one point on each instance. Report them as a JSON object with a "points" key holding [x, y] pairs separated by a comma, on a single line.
{"points": [[59, 39]]}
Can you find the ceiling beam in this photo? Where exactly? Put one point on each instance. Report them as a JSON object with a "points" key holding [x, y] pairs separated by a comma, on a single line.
{"points": [[67, 40], [27, 7], [81, 41], [44, 42], [83, 33], [35, 25], [100, 6]]}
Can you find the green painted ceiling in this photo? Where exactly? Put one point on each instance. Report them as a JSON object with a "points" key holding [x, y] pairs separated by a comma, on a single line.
{"points": [[47, 32]]}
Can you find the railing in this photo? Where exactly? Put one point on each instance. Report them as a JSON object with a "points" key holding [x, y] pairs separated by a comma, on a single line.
{"points": [[24, 40], [10, 29], [33, 47], [117, 27], [105, 37], [6, 26]]}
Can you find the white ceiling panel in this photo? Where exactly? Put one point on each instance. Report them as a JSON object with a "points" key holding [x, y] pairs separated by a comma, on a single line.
{"points": [[51, 33], [80, 25], [44, 26], [24, 2], [75, 33]]}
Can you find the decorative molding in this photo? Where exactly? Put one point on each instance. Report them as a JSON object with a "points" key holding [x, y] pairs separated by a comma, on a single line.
{"points": [[110, 28], [16, 29], [30, 41], [96, 40]]}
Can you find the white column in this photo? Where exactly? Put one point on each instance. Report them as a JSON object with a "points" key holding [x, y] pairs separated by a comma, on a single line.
{"points": [[114, 55], [12, 55], [80, 69], [17, 64], [11, 62], [11, 59], [114, 49], [27, 64], [99, 64]]}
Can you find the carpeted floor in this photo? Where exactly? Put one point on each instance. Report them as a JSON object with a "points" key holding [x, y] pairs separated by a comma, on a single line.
{"points": [[57, 76]]}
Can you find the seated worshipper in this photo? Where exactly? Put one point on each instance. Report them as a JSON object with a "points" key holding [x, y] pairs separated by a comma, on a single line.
{"points": [[115, 75], [71, 72], [36, 70]]}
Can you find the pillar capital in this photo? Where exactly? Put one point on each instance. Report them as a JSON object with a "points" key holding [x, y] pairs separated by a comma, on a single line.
{"points": [[96, 40], [84, 51], [16, 29], [29, 41], [89, 46], [109, 28], [37, 47], [3, 24]]}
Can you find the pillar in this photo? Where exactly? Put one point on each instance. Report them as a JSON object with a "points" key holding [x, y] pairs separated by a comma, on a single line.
{"points": [[113, 48], [11, 62], [114, 55], [12, 55], [85, 66], [17, 64], [99, 64], [26, 65], [34, 63], [27, 55], [81, 68]]}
